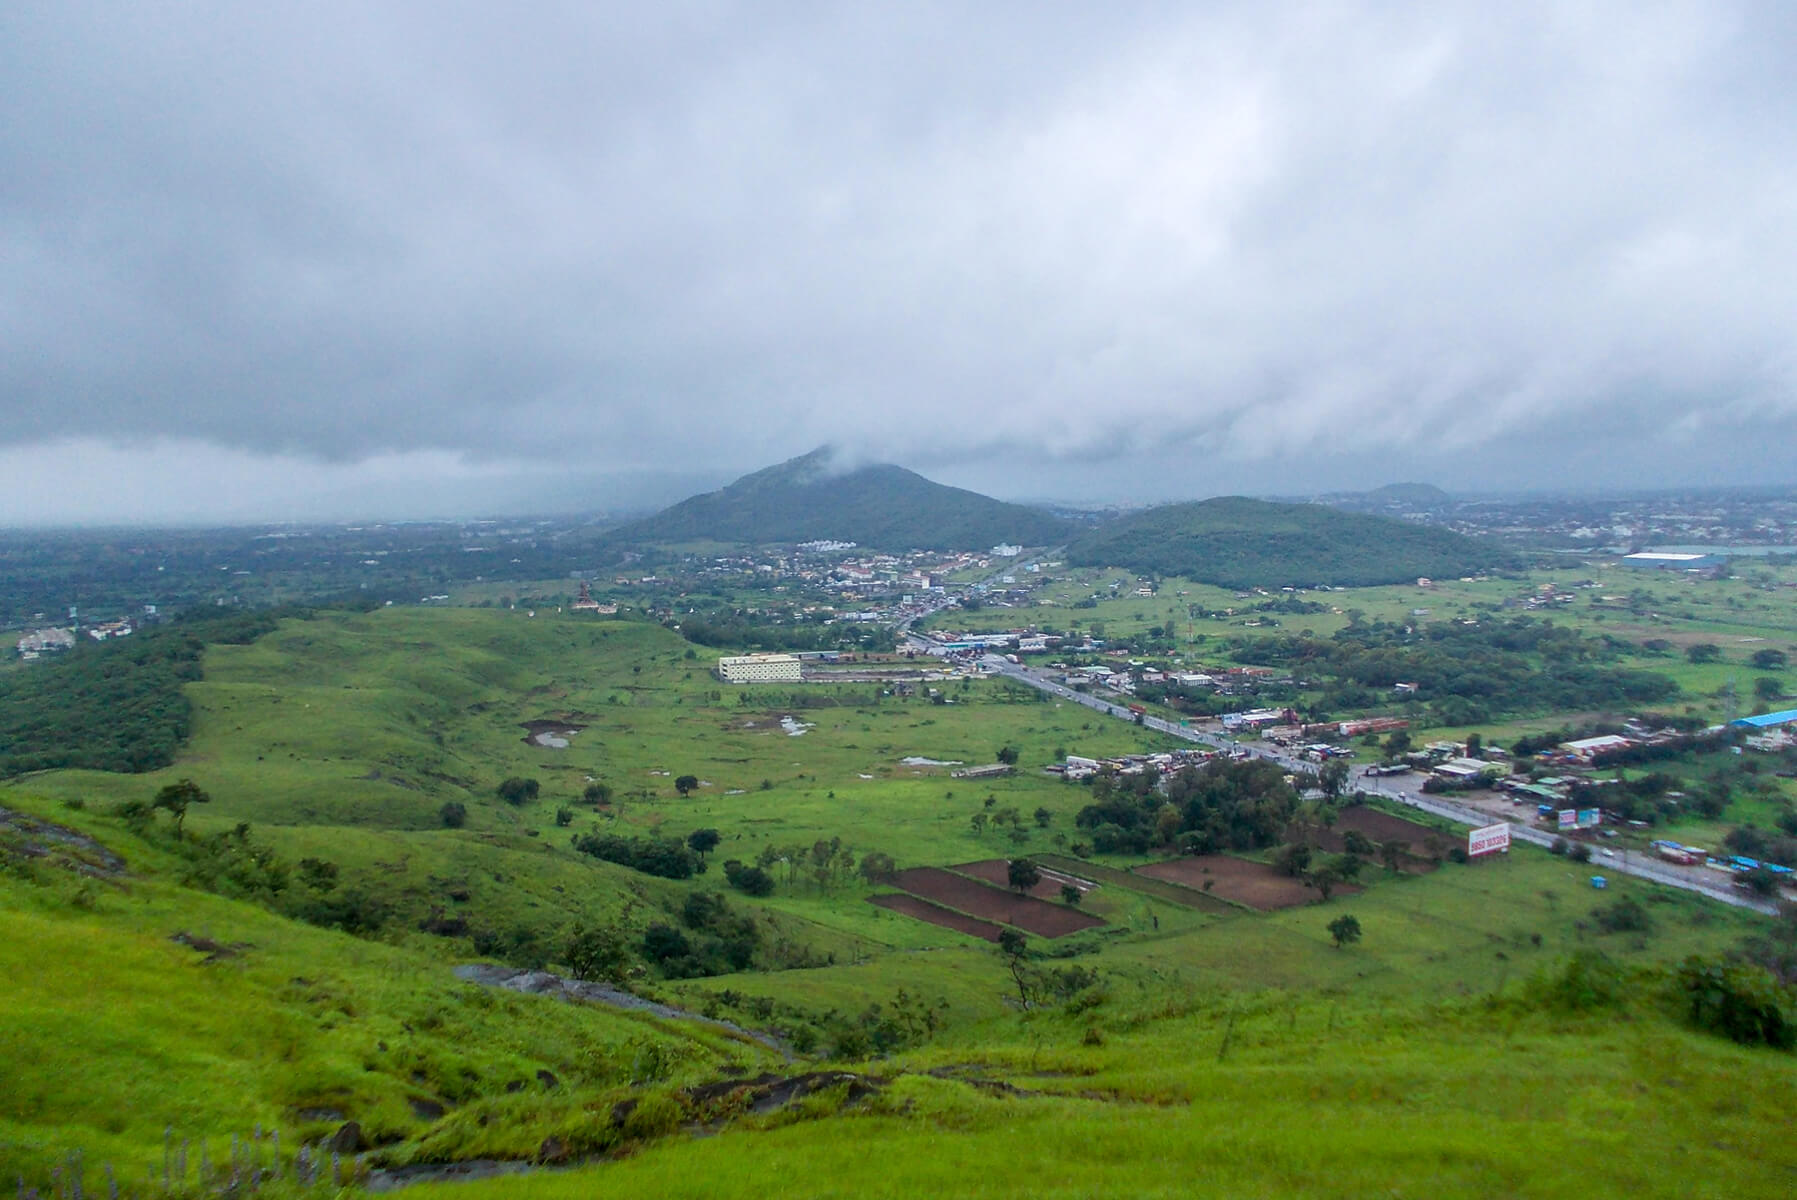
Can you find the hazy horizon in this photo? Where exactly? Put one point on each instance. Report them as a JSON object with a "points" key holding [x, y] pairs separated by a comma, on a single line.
{"points": [[357, 262]]}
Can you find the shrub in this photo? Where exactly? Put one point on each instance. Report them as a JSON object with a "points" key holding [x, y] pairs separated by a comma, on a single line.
{"points": [[750, 880], [667, 857], [454, 814], [1742, 1003], [1626, 915], [1587, 982]]}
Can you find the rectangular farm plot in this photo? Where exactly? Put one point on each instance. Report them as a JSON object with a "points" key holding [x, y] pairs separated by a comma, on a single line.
{"points": [[1383, 827], [911, 906], [994, 904], [1254, 884], [1159, 889], [998, 871]]}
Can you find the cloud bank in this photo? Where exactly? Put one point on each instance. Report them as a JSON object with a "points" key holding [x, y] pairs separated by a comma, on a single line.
{"points": [[1033, 247]]}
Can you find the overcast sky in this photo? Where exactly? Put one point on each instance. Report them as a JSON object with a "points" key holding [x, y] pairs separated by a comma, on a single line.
{"points": [[390, 259]]}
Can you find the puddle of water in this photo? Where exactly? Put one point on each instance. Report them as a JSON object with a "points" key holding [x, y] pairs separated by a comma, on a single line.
{"points": [[554, 741], [918, 761], [793, 727]]}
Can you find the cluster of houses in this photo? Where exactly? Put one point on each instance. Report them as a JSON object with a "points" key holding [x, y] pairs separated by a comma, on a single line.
{"points": [[1079, 767], [40, 642], [55, 639]]}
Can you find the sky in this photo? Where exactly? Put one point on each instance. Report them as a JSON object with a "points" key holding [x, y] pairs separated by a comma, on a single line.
{"points": [[344, 260]]}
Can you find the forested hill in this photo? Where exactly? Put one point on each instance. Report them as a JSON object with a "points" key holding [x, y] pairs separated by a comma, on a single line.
{"points": [[883, 506], [1236, 542]]}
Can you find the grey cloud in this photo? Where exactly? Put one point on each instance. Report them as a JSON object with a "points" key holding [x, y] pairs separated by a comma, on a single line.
{"points": [[609, 238]]}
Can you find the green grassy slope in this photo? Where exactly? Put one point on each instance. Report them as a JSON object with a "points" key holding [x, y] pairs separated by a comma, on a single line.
{"points": [[1237, 542], [113, 1033], [1411, 1063], [1288, 1096]]}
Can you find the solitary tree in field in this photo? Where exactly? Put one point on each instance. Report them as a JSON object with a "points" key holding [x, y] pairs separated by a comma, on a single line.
{"points": [[1703, 652], [1014, 945], [1022, 874], [1007, 755], [686, 784], [597, 794], [175, 797], [516, 790], [703, 841], [1770, 660], [1071, 895], [1345, 929], [1392, 853]]}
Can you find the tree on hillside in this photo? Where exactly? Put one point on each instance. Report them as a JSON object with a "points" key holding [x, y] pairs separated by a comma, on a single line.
{"points": [[703, 841], [175, 797], [454, 814], [1391, 853], [1013, 945], [1007, 755], [1770, 660], [1071, 894], [1398, 744], [597, 954], [1022, 874], [1344, 929], [516, 790], [597, 794], [1703, 652], [1767, 688], [686, 784]]}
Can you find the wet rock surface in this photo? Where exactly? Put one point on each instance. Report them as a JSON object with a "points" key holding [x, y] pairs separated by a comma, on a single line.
{"points": [[545, 983]]}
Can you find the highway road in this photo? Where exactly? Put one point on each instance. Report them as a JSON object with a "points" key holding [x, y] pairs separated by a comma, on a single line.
{"points": [[1691, 879]]}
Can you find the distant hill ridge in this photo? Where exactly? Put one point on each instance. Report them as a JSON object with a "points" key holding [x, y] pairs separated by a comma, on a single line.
{"points": [[880, 506], [1237, 542]]}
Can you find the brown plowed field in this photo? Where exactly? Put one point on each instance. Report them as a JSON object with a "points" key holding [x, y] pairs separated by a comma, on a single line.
{"points": [[998, 870], [1383, 827], [1160, 889], [994, 904], [935, 914], [1254, 884]]}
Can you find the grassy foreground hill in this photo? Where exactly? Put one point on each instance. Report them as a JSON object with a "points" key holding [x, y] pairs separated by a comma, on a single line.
{"points": [[1452, 1052], [881, 506], [1236, 542]]}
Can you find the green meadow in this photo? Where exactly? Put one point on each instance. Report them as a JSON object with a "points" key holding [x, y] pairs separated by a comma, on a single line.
{"points": [[1209, 1051]]}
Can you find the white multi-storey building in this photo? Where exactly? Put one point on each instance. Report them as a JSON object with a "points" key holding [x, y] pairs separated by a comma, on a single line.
{"points": [[759, 668]]}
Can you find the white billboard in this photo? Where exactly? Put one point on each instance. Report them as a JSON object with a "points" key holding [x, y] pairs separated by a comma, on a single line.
{"points": [[1493, 839]]}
